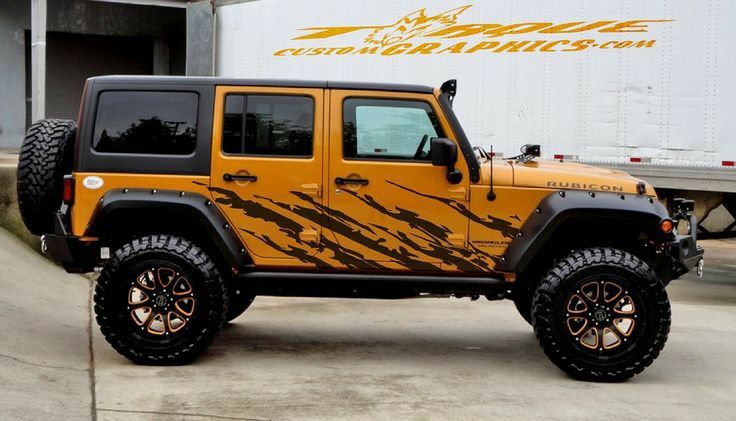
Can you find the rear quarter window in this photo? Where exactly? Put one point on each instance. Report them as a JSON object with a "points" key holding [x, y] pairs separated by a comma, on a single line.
{"points": [[146, 122]]}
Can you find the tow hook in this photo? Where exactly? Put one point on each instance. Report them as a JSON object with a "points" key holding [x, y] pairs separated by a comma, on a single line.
{"points": [[44, 246], [699, 268]]}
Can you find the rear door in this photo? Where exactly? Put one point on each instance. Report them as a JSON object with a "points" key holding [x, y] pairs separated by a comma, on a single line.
{"points": [[388, 204], [267, 169]]}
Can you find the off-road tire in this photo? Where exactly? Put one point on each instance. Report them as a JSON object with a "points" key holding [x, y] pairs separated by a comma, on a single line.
{"points": [[239, 301], [45, 157], [549, 309], [111, 300]]}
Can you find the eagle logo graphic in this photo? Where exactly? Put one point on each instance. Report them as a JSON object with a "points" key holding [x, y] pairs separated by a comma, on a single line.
{"points": [[415, 24]]}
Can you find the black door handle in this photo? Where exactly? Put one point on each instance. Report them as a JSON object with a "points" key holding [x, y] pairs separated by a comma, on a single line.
{"points": [[238, 177], [342, 181]]}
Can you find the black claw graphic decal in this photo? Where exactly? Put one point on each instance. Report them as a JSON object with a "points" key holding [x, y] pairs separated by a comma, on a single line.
{"points": [[438, 232], [295, 252], [422, 246], [256, 210], [443, 253], [496, 224]]}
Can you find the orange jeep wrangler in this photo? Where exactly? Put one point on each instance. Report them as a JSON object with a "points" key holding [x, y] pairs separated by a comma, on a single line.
{"points": [[194, 195]]}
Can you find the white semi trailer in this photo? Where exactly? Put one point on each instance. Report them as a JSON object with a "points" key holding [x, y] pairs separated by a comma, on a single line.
{"points": [[647, 87]]}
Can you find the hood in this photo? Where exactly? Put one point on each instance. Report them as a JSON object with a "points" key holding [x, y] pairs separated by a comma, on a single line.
{"points": [[574, 176]]}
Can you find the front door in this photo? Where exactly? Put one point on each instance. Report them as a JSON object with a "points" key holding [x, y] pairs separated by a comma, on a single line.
{"points": [[267, 169], [388, 204]]}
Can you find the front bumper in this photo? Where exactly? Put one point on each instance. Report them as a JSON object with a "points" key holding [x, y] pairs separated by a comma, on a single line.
{"points": [[685, 254], [684, 250]]}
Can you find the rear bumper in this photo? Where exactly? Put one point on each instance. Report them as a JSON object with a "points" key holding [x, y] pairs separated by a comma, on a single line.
{"points": [[74, 255]]}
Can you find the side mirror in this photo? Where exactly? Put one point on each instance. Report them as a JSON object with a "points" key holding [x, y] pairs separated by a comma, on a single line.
{"points": [[444, 154]]}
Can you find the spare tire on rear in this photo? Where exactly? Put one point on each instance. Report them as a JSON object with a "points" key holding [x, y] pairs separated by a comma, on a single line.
{"points": [[45, 157]]}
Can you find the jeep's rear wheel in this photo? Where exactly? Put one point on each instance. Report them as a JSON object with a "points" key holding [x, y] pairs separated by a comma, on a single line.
{"points": [[44, 159], [160, 300], [601, 314]]}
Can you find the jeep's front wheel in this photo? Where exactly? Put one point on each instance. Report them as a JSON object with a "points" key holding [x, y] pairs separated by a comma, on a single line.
{"points": [[160, 300], [601, 314]]}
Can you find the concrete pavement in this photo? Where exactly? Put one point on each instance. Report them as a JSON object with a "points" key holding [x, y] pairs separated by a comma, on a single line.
{"points": [[44, 337], [288, 358]]}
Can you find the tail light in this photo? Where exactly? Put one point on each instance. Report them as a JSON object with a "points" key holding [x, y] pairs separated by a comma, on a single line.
{"points": [[68, 189]]}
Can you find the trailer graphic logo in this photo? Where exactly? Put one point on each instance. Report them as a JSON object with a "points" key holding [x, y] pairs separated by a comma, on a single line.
{"points": [[422, 33], [413, 25]]}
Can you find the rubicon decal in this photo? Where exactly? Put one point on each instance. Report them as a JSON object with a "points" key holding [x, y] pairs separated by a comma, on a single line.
{"points": [[421, 32], [584, 186]]}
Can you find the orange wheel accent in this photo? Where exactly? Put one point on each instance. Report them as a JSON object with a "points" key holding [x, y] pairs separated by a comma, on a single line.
{"points": [[147, 280], [157, 326], [576, 325], [590, 339], [601, 315], [165, 276], [185, 306], [140, 315], [625, 306], [161, 301], [625, 325], [576, 304], [611, 291], [591, 291], [609, 339], [137, 296], [181, 286], [175, 321]]}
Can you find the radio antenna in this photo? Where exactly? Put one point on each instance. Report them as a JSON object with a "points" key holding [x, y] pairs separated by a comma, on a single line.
{"points": [[491, 196]]}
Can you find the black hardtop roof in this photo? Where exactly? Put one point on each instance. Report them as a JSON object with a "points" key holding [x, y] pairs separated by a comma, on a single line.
{"points": [[289, 83]]}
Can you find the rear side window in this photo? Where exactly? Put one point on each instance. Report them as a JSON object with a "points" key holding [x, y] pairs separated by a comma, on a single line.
{"points": [[275, 125], [138, 122]]}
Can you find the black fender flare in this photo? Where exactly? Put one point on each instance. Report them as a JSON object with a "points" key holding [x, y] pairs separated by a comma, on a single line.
{"points": [[564, 205], [199, 208]]}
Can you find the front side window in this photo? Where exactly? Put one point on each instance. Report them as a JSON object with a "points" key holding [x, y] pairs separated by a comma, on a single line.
{"points": [[146, 122], [388, 129], [272, 125]]}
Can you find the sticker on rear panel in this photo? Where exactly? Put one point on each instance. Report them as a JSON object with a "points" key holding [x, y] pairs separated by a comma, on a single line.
{"points": [[92, 182]]}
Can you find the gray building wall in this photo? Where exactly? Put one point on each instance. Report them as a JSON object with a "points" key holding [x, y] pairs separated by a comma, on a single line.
{"points": [[14, 19], [165, 26], [200, 39]]}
